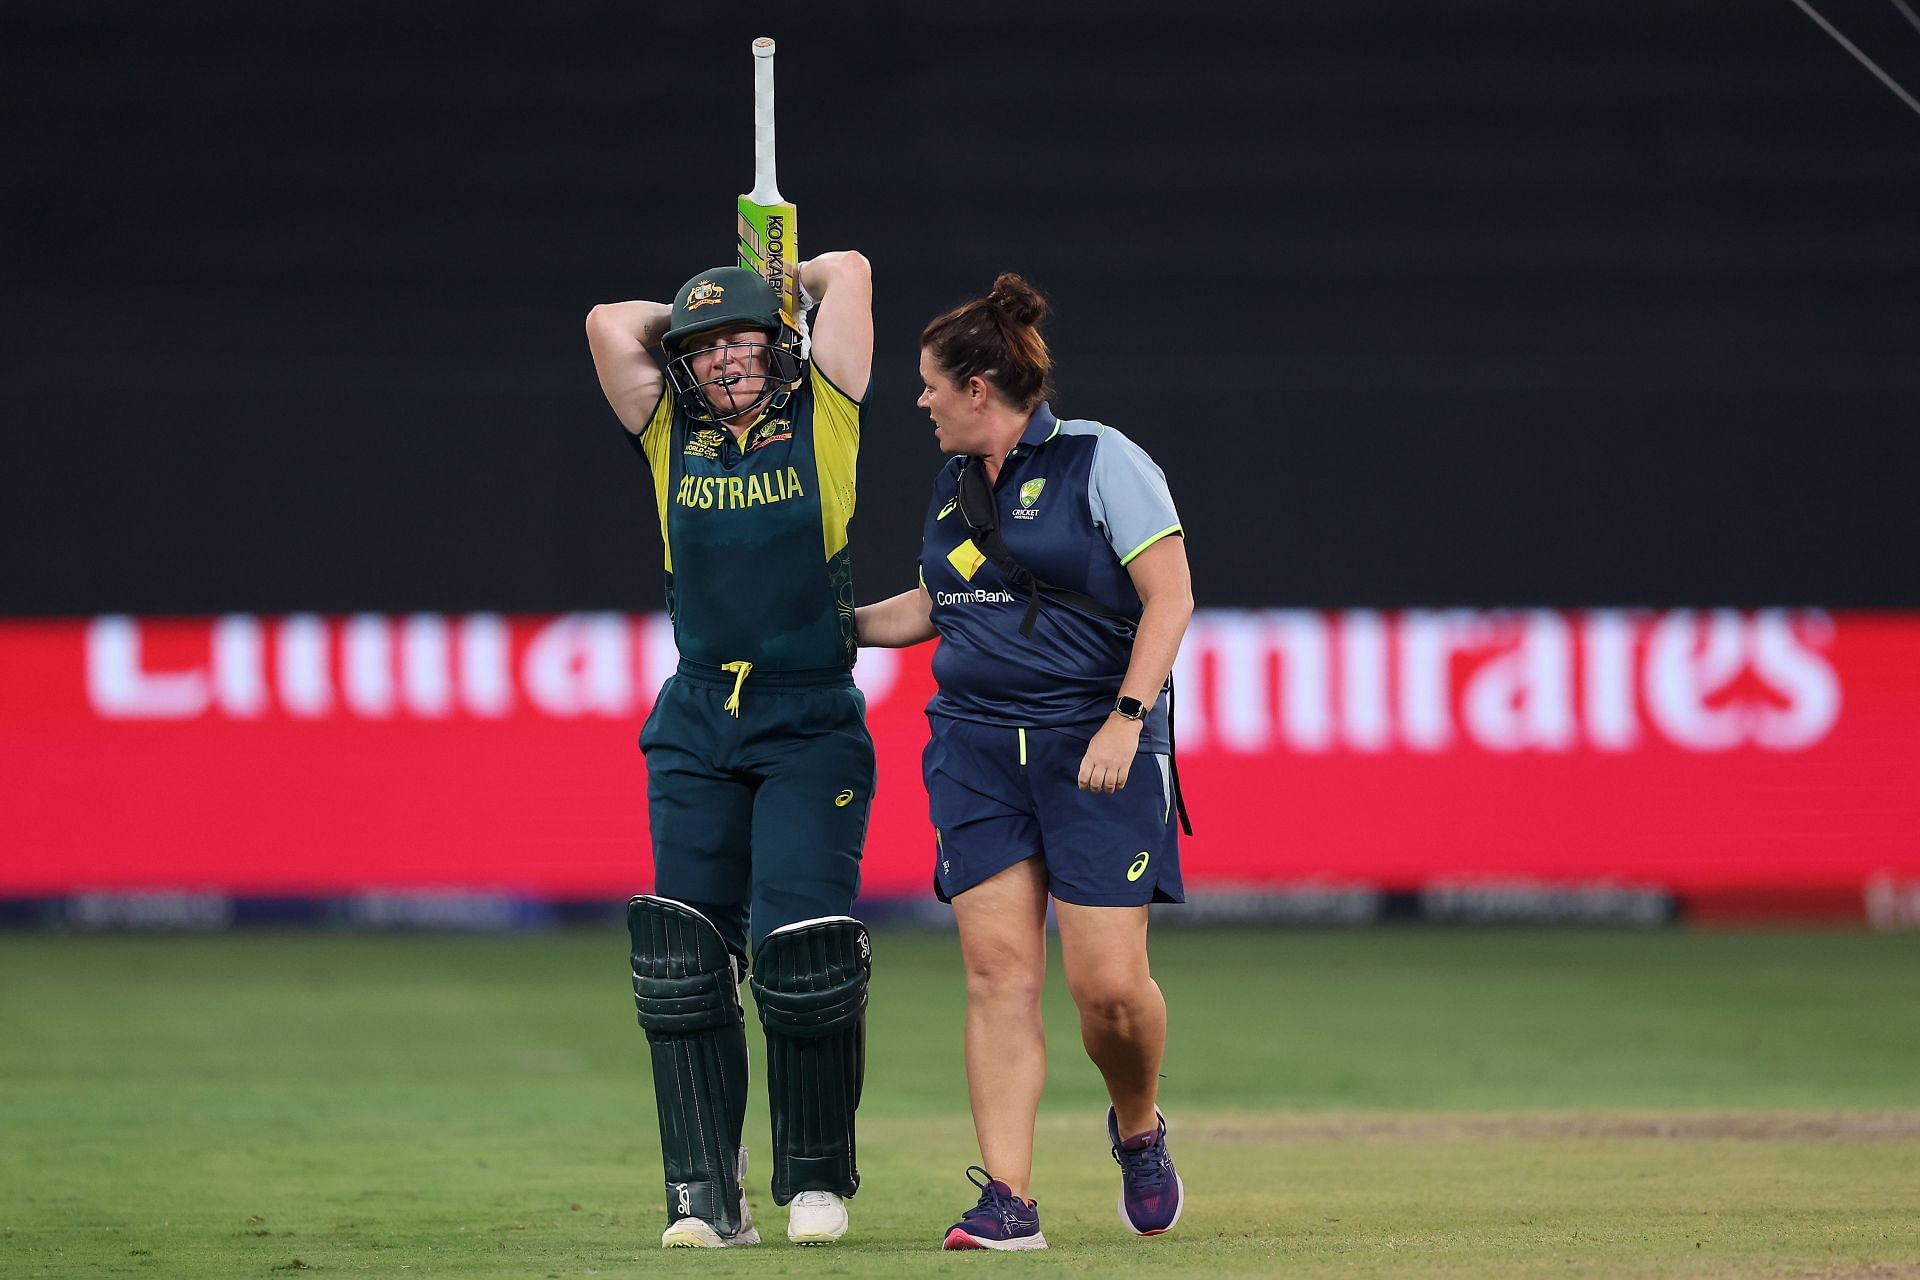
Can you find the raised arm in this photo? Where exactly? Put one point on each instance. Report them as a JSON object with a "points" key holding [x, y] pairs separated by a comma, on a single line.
{"points": [[843, 326], [618, 334]]}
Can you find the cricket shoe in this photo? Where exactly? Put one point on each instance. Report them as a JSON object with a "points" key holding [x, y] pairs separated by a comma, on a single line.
{"points": [[1001, 1220], [1151, 1193], [816, 1217], [698, 1233]]}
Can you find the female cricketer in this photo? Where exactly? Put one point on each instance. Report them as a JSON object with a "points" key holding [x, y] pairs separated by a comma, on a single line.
{"points": [[1054, 571], [759, 766]]}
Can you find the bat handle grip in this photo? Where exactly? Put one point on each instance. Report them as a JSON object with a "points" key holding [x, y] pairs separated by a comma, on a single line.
{"points": [[766, 187]]}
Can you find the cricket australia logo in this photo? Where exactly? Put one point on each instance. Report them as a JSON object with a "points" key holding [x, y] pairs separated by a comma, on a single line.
{"points": [[705, 294], [769, 431], [1029, 494]]}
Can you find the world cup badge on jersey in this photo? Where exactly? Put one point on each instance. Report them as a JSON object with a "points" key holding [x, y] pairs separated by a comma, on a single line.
{"points": [[1029, 494], [704, 443], [705, 294]]}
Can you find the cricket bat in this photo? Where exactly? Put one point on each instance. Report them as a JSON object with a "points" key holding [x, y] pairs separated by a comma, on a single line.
{"points": [[769, 243]]}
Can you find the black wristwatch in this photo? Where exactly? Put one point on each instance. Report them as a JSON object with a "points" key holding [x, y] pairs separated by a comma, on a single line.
{"points": [[1131, 708]]}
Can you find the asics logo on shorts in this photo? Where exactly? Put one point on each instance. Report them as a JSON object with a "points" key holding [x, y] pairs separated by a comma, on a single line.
{"points": [[842, 800], [1139, 867]]}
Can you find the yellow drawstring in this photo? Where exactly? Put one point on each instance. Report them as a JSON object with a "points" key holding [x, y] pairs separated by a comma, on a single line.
{"points": [[740, 670]]}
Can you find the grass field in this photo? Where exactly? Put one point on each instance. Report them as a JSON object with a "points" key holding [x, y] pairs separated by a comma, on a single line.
{"points": [[1394, 1103]]}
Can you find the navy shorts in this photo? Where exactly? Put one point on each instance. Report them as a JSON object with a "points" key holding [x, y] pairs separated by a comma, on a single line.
{"points": [[758, 819], [1000, 795]]}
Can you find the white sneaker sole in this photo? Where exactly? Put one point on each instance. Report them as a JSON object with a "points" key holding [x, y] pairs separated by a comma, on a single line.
{"points": [[958, 1239], [692, 1233], [817, 1227]]}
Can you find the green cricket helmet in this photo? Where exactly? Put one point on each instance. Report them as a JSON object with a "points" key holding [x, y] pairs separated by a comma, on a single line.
{"points": [[730, 298]]}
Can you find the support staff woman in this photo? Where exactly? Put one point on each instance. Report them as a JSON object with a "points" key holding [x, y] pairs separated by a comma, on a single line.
{"points": [[1047, 771]]}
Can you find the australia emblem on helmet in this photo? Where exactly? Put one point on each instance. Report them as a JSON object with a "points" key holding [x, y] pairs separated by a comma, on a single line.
{"points": [[705, 294]]}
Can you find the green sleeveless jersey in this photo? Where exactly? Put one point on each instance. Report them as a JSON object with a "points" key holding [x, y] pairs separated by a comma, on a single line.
{"points": [[756, 530]]}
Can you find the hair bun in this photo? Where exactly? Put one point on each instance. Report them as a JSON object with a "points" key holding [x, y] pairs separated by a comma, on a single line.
{"points": [[1017, 300], [996, 338]]}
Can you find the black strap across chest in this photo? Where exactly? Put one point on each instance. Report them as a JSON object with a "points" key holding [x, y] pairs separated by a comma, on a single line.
{"points": [[981, 511]]}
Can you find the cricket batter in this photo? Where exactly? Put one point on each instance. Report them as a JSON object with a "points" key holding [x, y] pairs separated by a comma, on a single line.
{"points": [[760, 769]]}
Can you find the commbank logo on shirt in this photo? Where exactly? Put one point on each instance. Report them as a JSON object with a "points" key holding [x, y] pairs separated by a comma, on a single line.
{"points": [[979, 595], [966, 559], [730, 493]]}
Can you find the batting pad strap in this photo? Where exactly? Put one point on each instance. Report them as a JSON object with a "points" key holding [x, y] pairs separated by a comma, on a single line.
{"points": [[697, 1002], [806, 1014]]}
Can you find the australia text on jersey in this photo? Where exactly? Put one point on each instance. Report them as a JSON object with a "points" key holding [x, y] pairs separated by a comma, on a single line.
{"points": [[733, 492]]}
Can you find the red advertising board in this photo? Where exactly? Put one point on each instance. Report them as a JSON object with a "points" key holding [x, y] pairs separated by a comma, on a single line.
{"points": [[1768, 758]]}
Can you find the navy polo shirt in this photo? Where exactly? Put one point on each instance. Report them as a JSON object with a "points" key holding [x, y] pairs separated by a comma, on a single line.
{"points": [[1078, 501]]}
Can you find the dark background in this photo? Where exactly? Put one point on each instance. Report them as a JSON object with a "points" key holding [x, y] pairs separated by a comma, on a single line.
{"points": [[1463, 303]]}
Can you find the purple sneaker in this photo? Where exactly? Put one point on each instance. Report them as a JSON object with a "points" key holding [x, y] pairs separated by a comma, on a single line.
{"points": [[1002, 1220], [1151, 1193]]}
